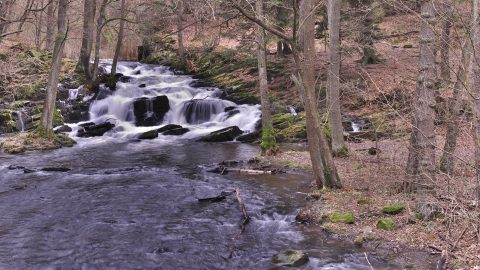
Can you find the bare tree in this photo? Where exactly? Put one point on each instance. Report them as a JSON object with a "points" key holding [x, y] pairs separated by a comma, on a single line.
{"points": [[325, 171], [181, 46], [50, 26], [421, 163], [46, 121], [119, 38], [268, 145], [446, 24], [87, 38], [333, 77], [476, 92], [100, 24]]}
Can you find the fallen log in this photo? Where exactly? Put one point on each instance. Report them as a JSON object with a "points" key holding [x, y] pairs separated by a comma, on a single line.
{"points": [[246, 217], [223, 195], [249, 171]]}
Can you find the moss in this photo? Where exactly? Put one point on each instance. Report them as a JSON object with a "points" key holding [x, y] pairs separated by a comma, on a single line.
{"points": [[342, 152], [7, 123], [385, 224], [3, 57], [279, 120], [19, 104], [347, 218], [269, 144], [393, 209], [363, 202], [111, 81]]}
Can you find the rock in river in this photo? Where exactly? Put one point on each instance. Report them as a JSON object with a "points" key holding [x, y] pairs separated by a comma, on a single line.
{"points": [[93, 130], [150, 111], [148, 135], [222, 135], [293, 258]]}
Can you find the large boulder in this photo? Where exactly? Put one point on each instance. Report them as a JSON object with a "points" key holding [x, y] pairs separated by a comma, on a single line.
{"points": [[150, 111], [222, 135], [168, 127], [176, 132], [94, 130]]}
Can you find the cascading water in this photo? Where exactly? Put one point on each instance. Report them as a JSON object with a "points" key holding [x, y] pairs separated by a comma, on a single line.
{"points": [[148, 97]]}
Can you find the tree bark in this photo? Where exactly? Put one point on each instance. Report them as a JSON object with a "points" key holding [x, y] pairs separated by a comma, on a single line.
{"points": [[446, 24], [447, 162], [5, 9], [181, 46], [98, 35], [46, 120], [333, 77], [476, 93], [38, 26], [50, 26], [87, 38], [422, 150], [119, 38], [268, 145]]}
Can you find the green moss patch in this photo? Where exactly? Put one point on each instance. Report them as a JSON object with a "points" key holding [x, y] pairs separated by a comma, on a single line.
{"points": [[386, 224], [347, 218], [393, 209]]}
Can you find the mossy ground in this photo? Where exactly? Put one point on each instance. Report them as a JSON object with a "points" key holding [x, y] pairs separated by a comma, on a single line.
{"points": [[31, 141]]}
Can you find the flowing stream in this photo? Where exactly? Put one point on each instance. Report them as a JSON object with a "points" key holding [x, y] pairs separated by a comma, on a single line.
{"points": [[133, 205]]}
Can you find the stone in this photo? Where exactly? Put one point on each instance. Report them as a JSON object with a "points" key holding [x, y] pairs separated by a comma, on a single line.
{"points": [[63, 129], [347, 218], [176, 132], [385, 224], [222, 135], [55, 169], [150, 111], [293, 258], [148, 135], [142, 85], [95, 130], [250, 137], [393, 209], [168, 127]]}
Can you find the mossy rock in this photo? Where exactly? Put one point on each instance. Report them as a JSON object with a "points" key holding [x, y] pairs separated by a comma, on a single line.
{"points": [[7, 123], [293, 258], [19, 104], [393, 209], [385, 224], [347, 218]]}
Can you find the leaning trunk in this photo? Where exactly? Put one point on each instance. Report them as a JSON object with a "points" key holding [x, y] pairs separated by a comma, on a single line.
{"points": [[333, 77], [46, 121], [322, 161]]}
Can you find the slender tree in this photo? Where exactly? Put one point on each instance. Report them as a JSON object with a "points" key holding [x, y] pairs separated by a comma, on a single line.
{"points": [[476, 92], [268, 145], [87, 38], [421, 163], [324, 168], [98, 36], [333, 77], [446, 24], [119, 38], [181, 46], [46, 121], [50, 35]]}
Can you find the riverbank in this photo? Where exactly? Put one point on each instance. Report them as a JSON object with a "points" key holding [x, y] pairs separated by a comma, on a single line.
{"points": [[372, 211]]}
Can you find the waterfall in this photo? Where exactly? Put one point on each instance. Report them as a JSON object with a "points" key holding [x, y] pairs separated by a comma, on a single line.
{"points": [[19, 121], [151, 96]]}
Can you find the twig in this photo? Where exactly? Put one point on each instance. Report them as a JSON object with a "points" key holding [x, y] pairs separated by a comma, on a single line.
{"points": [[246, 217], [460, 237], [368, 261]]}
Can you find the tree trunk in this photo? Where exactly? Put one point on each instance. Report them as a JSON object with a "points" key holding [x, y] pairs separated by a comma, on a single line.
{"points": [[87, 38], [367, 34], [422, 150], [181, 46], [333, 77], [476, 93], [446, 24], [98, 35], [119, 39], [38, 26], [447, 161], [322, 161], [268, 145], [5, 9], [50, 26], [46, 121]]}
